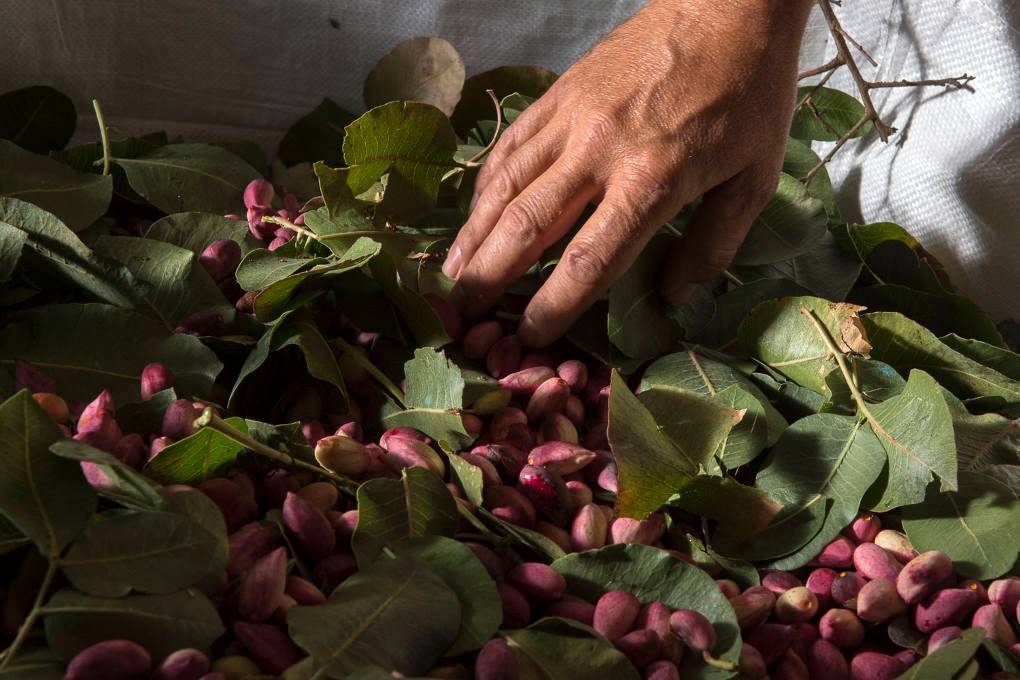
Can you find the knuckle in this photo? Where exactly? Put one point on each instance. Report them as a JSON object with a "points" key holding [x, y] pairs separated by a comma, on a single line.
{"points": [[522, 222], [597, 128], [502, 184], [583, 263]]}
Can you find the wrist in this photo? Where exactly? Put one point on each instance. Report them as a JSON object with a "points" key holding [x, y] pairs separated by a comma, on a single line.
{"points": [[768, 18]]}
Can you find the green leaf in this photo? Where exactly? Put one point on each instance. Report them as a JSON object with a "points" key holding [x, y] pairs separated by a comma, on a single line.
{"points": [[261, 268], [554, 648], [340, 202], [1004, 659], [10, 537], [425, 324], [60, 249], [916, 430], [697, 425], [291, 330], [779, 335], [44, 496], [475, 104], [178, 285], [389, 510], [825, 269], [637, 324], [729, 309], [38, 118], [12, 242], [316, 136], [945, 661], [789, 225], [148, 552], [194, 459], [452, 561], [111, 347], [798, 161], [654, 575], [75, 198], [469, 476], [146, 416], [125, 485], [743, 510], [251, 152], [434, 398], [876, 380], [412, 144], [534, 541], [905, 345], [35, 664], [837, 457], [160, 623], [975, 525], [397, 614], [794, 525], [590, 334], [423, 69], [190, 177], [827, 116], [693, 369], [196, 230], [941, 313], [987, 443], [275, 298], [1002, 360]]}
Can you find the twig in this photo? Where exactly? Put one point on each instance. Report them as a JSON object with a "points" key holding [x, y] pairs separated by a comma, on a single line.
{"points": [[843, 41], [214, 422], [495, 133], [104, 136]]}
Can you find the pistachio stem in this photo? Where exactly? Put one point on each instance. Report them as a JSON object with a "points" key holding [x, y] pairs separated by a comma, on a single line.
{"points": [[104, 135], [214, 422], [718, 663], [29, 622]]}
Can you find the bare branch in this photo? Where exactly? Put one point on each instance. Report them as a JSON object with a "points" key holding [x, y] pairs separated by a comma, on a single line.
{"points": [[827, 67], [956, 83]]}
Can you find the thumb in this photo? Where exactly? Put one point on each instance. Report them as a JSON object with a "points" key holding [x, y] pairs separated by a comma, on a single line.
{"points": [[715, 232]]}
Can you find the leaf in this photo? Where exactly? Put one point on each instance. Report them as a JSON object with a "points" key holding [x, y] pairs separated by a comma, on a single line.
{"points": [[475, 104], [38, 118], [987, 443], [292, 329], [412, 144], [316, 136], [1002, 658], [10, 537], [825, 269], [779, 335], [389, 510], [160, 623], [945, 661], [110, 348], [794, 525], [697, 426], [12, 242], [790, 398], [144, 551], [434, 398], [397, 615], [146, 416], [468, 476], [637, 324], [655, 575], [534, 541], [558, 648], [44, 496], [275, 298], [590, 334], [195, 230], [337, 196], [125, 485], [75, 198], [58, 246], [916, 430], [743, 510], [1002, 360], [178, 285], [35, 664], [730, 308], [903, 633], [975, 525], [941, 313], [423, 69], [261, 268], [798, 161], [876, 380], [789, 225], [833, 456], [457, 566], [827, 116], [194, 459], [189, 177], [749, 437], [905, 345], [425, 324]]}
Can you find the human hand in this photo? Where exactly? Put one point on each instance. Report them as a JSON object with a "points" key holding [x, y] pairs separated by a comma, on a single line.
{"points": [[685, 99]]}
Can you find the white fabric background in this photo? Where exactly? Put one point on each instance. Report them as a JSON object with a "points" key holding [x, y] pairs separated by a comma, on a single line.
{"points": [[247, 69]]}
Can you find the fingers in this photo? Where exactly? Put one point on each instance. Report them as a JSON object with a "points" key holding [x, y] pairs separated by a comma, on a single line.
{"points": [[508, 181], [602, 250], [536, 219], [715, 232], [527, 125]]}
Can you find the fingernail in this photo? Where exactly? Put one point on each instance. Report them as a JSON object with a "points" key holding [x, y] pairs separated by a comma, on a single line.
{"points": [[452, 265], [679, 296]]}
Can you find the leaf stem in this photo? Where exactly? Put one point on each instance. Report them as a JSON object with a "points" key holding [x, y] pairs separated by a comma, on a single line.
{"points": [[840, 358], [372, 369], [214, 422], [26, 627], [732, 278], [495, 134], [104, 135]]}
